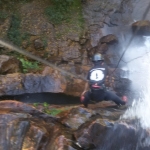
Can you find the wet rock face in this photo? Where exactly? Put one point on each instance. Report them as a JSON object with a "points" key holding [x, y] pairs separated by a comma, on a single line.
{"points": [[73, 47], [13, 84], [77, 117], [109, 39], [141, 27], [118, 81], [49, 81], [21, 127], [122, 15], [102, 48], [27, 128], [105, 134], [77, 128]]}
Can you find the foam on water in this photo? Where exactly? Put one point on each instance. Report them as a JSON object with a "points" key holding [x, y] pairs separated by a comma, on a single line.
{"points": [[138, 58]]}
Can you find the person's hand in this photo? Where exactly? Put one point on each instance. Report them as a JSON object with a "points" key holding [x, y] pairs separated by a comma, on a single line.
{"points": [[125, 98], [82, 96]]}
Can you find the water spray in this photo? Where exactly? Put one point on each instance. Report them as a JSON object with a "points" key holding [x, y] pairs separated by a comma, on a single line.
{"points": [[131, 39]]}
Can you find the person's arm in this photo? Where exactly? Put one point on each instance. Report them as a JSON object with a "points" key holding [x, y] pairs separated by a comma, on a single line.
{"points": [[86, 88]]}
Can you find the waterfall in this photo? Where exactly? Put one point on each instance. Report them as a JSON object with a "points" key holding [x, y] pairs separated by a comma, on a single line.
{"points": [[137, 58]]}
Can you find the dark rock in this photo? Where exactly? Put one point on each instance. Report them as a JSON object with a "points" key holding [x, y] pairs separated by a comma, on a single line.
{"points": [[85, 58], [102, 48], [26, 128], [76, 117], [106, 134], [4, 26], [1, 21], [71, 54], [91, 52], [14, 84], [74, 86], [117, 79], [20, 127], [122, 16], [82, 41], [141, 27], [92, 131], [9, 64], [112, 59], [123, 84], [32, 82], [38, 44], [49, 81], [74, 37], [109, 39]]}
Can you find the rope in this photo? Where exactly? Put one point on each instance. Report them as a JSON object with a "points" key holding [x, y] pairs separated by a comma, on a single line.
{"points": [[28, 54], [132, 37]]}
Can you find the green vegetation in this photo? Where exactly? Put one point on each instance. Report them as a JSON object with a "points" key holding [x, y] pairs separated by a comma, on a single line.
{"points": [[28, 65], [44, 40], [3, 15], [45, 104], [61, 10], [52, 111], [35, 104], [8, 4], [67, 17], [57, 12], [14, 34]]}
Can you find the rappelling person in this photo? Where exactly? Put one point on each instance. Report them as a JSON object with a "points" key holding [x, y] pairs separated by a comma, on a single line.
{"points": [[95, 89]]}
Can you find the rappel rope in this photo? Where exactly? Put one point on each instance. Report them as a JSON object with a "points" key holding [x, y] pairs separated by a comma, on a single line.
{"points": [[143, 17], [30, 55]]}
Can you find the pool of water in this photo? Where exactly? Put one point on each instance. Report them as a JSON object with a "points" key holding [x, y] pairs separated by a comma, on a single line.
{"points": [[50, 98]]}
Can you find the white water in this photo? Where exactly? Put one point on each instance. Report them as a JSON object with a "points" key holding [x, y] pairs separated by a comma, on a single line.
{"points": [[138, 58]]}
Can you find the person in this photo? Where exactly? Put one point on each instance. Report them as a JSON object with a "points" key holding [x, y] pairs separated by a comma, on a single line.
{"points": [[96, 83]]}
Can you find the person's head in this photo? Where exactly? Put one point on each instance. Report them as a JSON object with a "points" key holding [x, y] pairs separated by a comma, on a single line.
{"points": [[97, 58]]}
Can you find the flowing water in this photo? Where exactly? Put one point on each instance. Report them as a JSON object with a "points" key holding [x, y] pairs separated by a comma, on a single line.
{"points": [[137, 58], [132, 131]]}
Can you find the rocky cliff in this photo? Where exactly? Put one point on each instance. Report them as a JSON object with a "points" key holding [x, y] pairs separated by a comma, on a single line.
{"points": [[67, 38]]}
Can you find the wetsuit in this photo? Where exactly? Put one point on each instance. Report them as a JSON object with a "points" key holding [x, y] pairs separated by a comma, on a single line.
{"points": [[98, 92]]}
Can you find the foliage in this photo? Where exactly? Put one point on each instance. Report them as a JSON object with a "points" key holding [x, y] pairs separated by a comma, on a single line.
{"points": [[27, 65], [3, 15], [14, 32], [52, 111], [35, 104], [45, 104], [69, 17], [60, 10], [9, 4]]}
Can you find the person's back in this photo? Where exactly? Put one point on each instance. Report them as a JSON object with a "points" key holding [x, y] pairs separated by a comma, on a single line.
{"points": [[96, 79], [97, 75]]}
